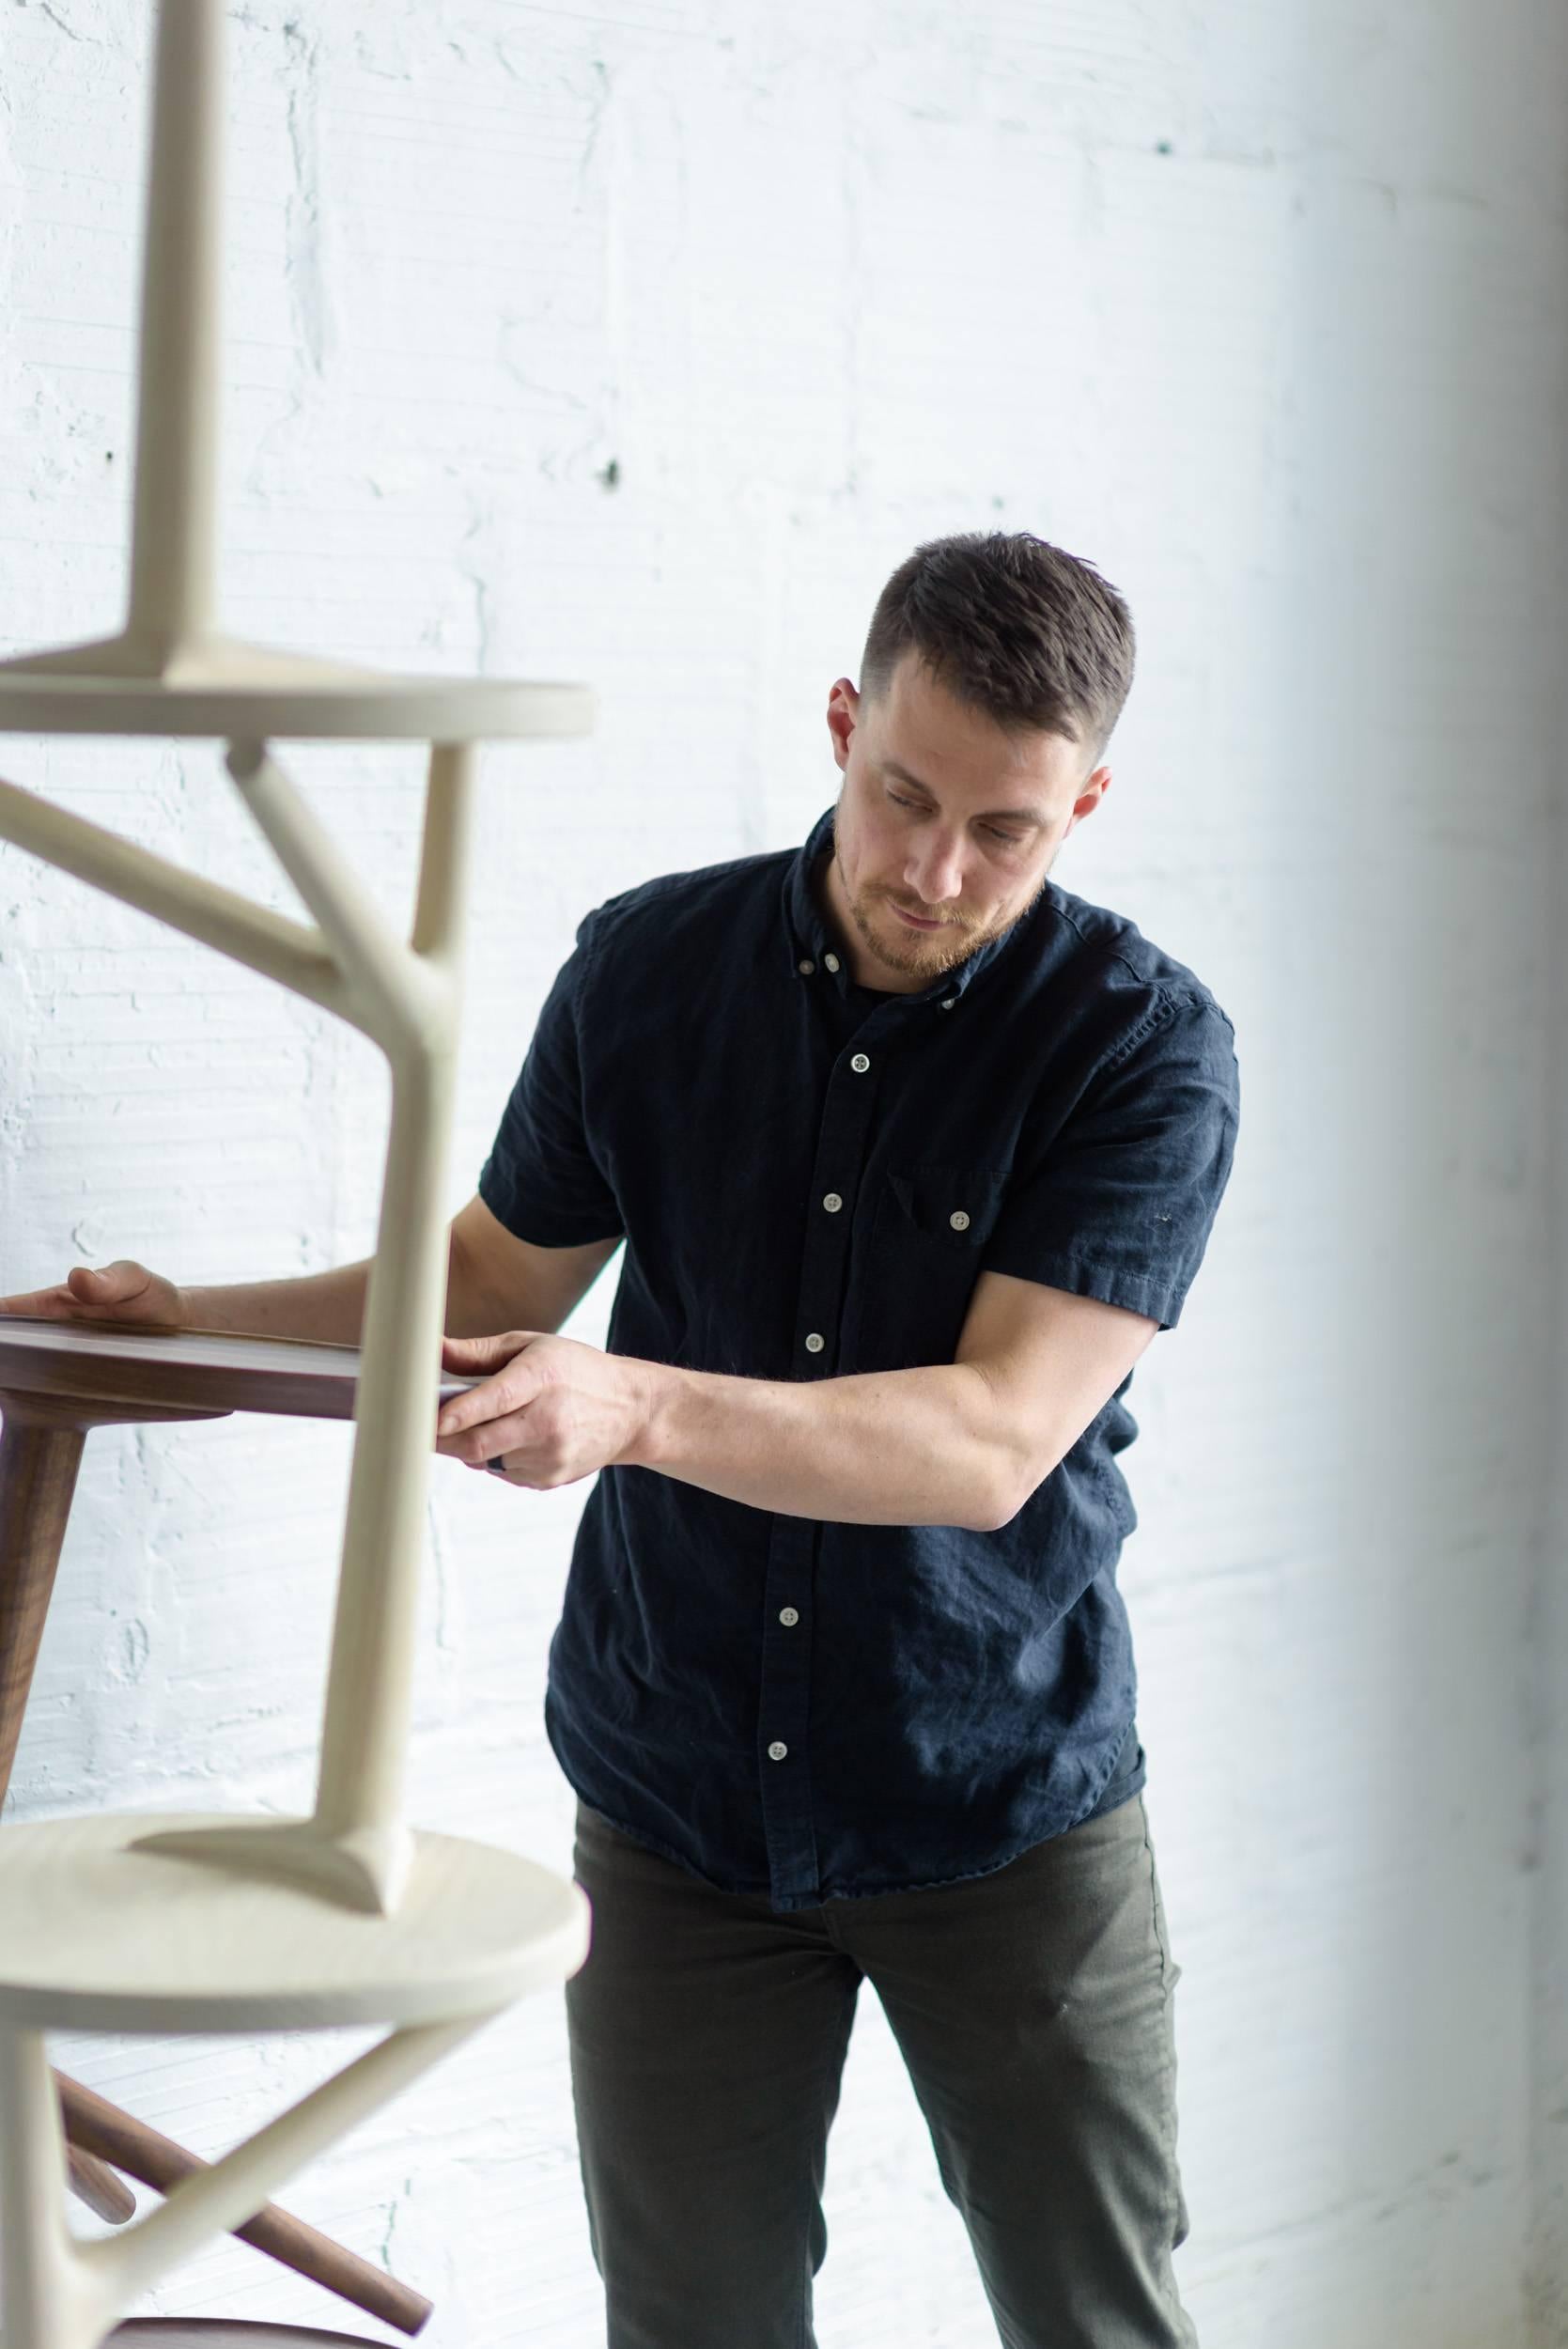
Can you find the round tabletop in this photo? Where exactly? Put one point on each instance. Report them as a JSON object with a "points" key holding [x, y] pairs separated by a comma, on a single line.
{"points": [[97, 1935], [209, 1371], [227, 2332], [371, 707]]}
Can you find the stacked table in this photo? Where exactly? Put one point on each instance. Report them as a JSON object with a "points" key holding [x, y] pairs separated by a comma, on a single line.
{"points": [[249, 1923]]}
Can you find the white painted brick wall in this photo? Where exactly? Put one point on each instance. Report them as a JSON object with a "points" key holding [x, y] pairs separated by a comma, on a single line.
{"points": [[1263, 308]]}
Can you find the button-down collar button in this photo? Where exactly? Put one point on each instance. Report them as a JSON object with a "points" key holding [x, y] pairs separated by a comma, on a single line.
{"points": [[789, 1617], [958, 1220], [860, 1063], [832, 1203], [777, 1750], [829, 962], [814, 1341], [805, 968], [947, 1003]]}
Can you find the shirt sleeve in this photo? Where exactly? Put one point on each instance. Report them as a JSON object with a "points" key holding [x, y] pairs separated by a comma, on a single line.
{"points": [[1122, 1202], [543, 1179]]}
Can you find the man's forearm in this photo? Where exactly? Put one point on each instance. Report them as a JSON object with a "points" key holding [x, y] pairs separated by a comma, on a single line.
{"points": [[327, 1307], [900, 1447]]}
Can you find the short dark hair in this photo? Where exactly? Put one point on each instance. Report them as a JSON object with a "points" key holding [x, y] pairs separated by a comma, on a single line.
{"points": [[1031, 635]]}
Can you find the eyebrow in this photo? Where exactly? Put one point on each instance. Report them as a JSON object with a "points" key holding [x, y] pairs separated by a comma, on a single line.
{"points": [[991, 816]]}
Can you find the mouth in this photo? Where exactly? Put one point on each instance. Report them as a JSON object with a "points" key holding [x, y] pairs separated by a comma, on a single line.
{"points": [[913, 920]]}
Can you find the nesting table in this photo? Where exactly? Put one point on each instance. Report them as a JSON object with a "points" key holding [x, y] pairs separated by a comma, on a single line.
{"points": [[247, 1923]]}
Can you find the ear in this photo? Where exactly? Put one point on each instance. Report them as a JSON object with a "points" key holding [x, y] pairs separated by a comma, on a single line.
{"points": [[1091, 790], [844, 704]]}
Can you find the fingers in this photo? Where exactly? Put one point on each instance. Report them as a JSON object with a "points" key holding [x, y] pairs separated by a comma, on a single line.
{"points": [[476, 1447], [512, 1387], [81, 1293], [486, 1353], [474, 1413], [56, 1304], [123, 1290]]}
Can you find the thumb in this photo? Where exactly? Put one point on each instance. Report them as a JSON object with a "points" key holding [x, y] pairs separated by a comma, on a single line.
{"points": [[481, 1354], [94, 1284], [505, 1389]]}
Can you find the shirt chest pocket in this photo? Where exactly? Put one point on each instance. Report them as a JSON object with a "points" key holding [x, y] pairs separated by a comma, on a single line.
{"points": [[927, 1237]]}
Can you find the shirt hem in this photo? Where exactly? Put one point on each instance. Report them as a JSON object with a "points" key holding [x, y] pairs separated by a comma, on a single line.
{"points": [[1160, 1303], [666, 1851], [973, 1875], [793, 1901]]}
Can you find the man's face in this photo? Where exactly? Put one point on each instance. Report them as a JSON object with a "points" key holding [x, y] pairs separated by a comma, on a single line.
{"points": [[946, 826]]}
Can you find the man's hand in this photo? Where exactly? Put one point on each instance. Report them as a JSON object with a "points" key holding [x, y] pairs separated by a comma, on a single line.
{"points": [[552, 1409], [121, 1291]]}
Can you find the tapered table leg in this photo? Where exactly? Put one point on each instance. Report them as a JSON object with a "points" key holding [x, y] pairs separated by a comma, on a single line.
{"points": [[38, 1461], [41, 1437], [40, 1452], [93, 2182]]}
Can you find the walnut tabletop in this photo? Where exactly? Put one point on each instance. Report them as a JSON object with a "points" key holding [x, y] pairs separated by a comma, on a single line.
{"points": [[204, 1372], [225, 2332]]}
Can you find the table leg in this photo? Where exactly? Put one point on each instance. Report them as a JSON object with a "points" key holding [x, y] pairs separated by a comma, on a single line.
{"points": [[38, 1461], [93, 2125], [94, 2183], [40, 1450], [37, 1476]]}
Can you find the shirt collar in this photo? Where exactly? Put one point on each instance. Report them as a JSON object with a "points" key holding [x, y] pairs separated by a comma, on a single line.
{"points": [[809, 942]]}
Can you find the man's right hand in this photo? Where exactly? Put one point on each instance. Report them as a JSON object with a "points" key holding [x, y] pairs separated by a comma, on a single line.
{"points": [[121, 1291]]}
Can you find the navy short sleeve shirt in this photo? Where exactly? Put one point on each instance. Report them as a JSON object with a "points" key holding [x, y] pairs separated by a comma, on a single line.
{"points": [[810, 1178]]}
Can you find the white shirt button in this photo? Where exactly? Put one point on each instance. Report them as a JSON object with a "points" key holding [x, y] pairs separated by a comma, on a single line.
{"points": [[829, 962], [860, 1063], [814, 1341], [948, 1000], [832, 1203], [788, 1615], [958, 1220], [776, 1752], [805, 968]]}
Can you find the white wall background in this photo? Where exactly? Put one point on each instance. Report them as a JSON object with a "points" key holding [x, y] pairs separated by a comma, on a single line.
{"points": [[639, 348]]}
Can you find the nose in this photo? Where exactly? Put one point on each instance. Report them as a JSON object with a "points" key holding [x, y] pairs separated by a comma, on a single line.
{"points": [[934, 869]]}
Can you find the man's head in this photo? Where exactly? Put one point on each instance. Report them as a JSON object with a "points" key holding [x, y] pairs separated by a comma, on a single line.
{"points": [[994, 671]]}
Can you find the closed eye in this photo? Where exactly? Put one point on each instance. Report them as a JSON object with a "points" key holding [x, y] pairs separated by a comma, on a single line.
{"points": [[1005, 839]]}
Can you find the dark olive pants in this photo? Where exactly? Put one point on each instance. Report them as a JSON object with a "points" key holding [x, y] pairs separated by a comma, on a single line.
{"points": [[1033, 2010]]}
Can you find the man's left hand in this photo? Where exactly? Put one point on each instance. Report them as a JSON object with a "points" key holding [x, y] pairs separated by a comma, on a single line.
{"points": [[552, 1409]]}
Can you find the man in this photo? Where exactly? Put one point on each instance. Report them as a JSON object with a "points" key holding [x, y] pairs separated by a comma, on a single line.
{"points": [[912, 1153]]}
